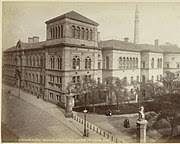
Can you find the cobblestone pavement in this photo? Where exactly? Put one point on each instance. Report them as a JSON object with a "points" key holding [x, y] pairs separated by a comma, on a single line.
{"points": [[32, 119]]}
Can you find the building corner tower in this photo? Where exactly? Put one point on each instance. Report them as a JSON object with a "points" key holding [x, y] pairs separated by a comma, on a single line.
{"points": [[136, 26]]}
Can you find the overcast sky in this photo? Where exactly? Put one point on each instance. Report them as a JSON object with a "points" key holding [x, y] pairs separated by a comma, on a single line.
{"points": [[116, 20]]}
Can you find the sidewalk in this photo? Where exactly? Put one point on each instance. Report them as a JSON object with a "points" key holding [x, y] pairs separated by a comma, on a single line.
{"points": [[58, 113]]}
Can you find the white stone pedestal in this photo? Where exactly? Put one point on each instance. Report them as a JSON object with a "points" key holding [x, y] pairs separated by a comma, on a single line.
{"points": [[141, 131], [69, 106]]}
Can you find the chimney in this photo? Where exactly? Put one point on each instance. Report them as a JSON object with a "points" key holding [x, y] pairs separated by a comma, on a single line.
{"points": [[126, 39], [156, 43], [35, 39], [30, 40]]}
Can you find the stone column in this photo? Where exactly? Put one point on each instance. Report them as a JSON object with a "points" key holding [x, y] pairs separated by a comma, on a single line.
{"points": [[141, 131], [69, 105]]}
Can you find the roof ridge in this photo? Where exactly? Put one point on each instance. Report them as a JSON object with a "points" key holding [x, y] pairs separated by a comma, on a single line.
{"points": [[73, 15]]}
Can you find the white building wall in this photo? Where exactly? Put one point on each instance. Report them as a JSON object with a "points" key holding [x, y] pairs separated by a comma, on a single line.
{"points": [[173, 59], [151, 73]]}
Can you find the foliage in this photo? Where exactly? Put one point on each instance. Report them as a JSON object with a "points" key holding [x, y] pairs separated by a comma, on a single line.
{"points": [[116, 87], [86, 89], [169, 109]]}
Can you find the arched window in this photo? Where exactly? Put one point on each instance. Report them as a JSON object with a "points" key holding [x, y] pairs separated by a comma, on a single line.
{"points": [[124, 62], [86, 63], [152, 63], [33, 77], [56, 32], [130, 63], [62, 29], [160, 62], [37, 60], [107, 62], [37, 78], [89, 64], [83, 33], [59, 31], [52, 62], [27, 61], [41, 61], [30, 60], [136, 62], [53, 33], [120, 62], [73, 31], [76, 63], [59, 62], [91, 34], [87, 34], [78, 32], [34, 61], [127, 63]]}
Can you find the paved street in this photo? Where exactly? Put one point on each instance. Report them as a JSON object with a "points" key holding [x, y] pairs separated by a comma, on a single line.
{"points": [[32, 119]]}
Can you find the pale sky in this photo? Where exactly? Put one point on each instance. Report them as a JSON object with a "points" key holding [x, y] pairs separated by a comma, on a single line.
{"points": [[116, 20]]}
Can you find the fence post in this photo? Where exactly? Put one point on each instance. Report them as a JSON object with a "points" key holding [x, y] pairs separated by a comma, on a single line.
{"points": [[116, 140], [108, 135]]}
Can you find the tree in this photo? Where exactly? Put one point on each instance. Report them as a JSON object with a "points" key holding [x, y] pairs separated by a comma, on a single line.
{"points": [[169, 109], [116, 87], [84, 89], [168, 81]]}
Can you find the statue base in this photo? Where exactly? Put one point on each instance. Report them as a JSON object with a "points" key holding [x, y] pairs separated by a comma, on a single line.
{"points": [[141, 130], [68, 114]]}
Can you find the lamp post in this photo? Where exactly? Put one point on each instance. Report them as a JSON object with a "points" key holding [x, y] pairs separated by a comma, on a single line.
{"points": [[85, 130]]}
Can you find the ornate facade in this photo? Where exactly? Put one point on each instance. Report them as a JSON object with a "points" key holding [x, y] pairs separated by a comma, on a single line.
{"points": [[72, 52]]}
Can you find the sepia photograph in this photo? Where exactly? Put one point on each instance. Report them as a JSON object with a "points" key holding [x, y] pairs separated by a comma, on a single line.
{"points": [[90, 72]]}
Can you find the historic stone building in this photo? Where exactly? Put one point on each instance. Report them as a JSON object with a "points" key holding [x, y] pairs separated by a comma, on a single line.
{"points": [[72, 51]]}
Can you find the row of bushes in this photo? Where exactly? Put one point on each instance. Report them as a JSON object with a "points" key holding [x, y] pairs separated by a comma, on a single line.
{"points": [[123, 108]]}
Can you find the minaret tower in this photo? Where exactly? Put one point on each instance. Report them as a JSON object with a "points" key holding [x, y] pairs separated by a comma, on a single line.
{"points": [[136, 26]]}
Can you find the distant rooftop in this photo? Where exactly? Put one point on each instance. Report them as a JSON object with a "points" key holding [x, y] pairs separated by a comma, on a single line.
{"points": [[128, 46], [74, 16], [117, 44]]}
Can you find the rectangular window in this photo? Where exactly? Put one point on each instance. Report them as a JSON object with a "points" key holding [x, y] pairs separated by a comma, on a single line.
{"points": [[137, 79], [57, 97], [89, 77], [98, 80], [107, 62], [178, 65], [37, 77], [78, 79], [59, 79], [143, 64], [74, 79], [51, 95], [152, 78], [131, 80], [99, 65]]}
